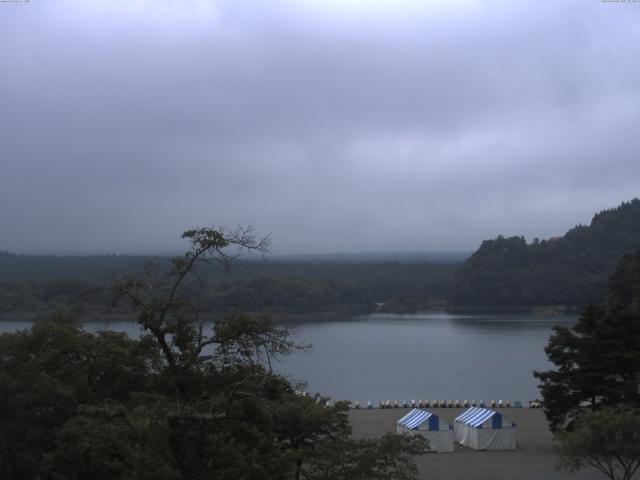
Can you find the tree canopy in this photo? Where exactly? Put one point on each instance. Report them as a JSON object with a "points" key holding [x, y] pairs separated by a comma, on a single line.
{"points": [[597, 360], [569, 270], [608, 440], [179, 403]]}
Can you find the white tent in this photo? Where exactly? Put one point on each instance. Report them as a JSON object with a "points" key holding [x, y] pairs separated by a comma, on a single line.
{"points": [[484, 429], [425, 423]]}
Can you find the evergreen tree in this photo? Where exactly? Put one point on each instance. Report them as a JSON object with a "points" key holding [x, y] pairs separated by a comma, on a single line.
{"points": [[597, 360]]}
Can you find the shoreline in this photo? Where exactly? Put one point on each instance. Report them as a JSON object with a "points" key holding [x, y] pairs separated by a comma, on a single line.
{"points": [[87, 313], [535, 456]]}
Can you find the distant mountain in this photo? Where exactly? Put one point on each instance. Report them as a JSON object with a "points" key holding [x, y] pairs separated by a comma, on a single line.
{"points": [[568, 270]]}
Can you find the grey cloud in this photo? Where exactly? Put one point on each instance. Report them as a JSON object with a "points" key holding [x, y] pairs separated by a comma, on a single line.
{"points": [[407, 129]]}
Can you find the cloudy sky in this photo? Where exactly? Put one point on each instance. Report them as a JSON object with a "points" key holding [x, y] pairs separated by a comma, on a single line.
{"points": [[333, 125]]}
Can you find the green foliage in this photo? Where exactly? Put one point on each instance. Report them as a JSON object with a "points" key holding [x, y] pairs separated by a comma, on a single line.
{"points": [[568, 270], [43, 284], [288, 295], [597, 360], [80, 405], [178, 404], [286, 289], [389, 458], [262, 295], [46, 296], [608, 440], [48, 373], [111, 442]]}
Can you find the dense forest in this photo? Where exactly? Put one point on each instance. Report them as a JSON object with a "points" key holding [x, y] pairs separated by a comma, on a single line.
{"points": [[571, 270], [287, 289]]}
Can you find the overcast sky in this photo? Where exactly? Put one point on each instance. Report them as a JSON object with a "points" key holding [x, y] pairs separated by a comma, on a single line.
{"points": [[333, 125]]}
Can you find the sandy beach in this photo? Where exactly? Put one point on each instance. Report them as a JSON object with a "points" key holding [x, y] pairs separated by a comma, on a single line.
{"points": [[534, 459]]}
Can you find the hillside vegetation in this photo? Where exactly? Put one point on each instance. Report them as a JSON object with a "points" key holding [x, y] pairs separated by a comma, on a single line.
{"points": [[570, 270], [36, 285]]}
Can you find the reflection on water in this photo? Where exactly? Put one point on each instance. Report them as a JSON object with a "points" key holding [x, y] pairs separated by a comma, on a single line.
{"points": [[421, 356]]}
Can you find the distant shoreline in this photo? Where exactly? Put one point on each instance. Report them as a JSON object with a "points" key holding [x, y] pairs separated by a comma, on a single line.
{"points": [[292, 318]]}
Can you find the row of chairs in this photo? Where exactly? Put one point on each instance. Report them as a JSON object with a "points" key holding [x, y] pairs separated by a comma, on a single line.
{"points": [[441, 404]]}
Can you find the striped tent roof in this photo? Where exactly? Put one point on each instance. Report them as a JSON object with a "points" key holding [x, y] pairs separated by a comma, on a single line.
{"points": [[415, 418], [476, 416]]}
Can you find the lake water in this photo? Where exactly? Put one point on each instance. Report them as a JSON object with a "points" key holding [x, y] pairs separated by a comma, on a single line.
{"points": [[431, 356], [419, 356]]}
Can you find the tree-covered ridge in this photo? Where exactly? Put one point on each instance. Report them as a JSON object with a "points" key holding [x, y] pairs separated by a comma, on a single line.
{"points": [[570, 270], [289, 295], [279, 288], [22, 267]]}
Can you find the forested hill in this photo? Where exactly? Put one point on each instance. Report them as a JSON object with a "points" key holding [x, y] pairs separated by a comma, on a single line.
{"points": [[570, 270], [36, 285]]}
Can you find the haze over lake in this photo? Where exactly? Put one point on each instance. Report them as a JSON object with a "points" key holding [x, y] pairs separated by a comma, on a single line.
{"points": [[430, 356]]}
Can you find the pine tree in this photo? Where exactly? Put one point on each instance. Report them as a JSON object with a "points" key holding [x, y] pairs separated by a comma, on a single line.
{"points": [[597, 360]]}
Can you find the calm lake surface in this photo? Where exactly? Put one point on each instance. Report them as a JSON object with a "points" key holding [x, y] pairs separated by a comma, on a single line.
{"points": [[418, 356], [425, 356]]}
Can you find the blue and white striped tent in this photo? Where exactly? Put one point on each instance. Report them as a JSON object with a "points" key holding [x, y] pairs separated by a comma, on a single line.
{"points": [[417, 418], [484, 429], [476, 416], [427, 424]]}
